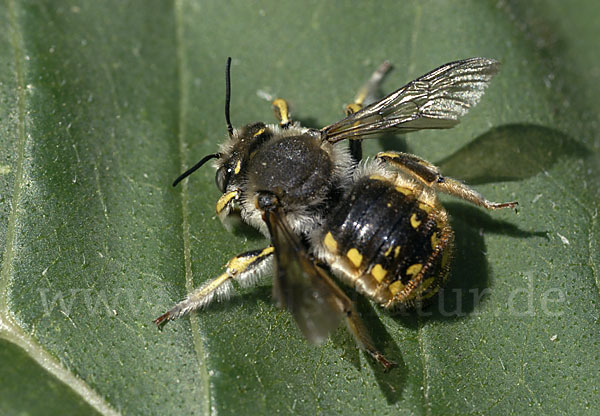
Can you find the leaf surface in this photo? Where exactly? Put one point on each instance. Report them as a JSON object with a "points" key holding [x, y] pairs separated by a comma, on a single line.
{"points": [[103, 104]]}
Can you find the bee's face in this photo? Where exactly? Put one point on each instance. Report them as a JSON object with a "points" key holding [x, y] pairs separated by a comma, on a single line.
{"points": [[236, 152]]}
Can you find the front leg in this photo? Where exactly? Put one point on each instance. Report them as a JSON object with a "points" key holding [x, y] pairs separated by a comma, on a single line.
{"points": [[430, 175], [245, 269]]}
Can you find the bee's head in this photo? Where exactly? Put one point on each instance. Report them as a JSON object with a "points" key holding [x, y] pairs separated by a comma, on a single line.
{"points": [[230, 158], [237, 151]]}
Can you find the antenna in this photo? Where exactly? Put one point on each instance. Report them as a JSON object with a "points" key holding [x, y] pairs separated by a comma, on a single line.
{"points": [[227, 119], [228, 95], [195, 167]]}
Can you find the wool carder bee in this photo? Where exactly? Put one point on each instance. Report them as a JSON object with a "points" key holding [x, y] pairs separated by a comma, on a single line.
{"points": [[376, 225]]}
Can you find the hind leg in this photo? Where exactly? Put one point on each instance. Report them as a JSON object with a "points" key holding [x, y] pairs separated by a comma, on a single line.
{"points": [[431, 176]]}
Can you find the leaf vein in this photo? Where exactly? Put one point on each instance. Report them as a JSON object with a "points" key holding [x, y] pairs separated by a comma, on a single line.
{"points": [[186, 234]]}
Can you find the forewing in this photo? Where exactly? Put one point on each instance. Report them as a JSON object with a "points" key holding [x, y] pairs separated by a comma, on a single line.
{"points": [[316, 303], [436, 100]]}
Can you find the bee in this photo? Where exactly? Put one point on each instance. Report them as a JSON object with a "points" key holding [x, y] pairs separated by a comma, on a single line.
{"points": [[376, 225]]}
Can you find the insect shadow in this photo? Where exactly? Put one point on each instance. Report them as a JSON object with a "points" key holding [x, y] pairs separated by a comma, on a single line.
{"points": [[511, 152]]}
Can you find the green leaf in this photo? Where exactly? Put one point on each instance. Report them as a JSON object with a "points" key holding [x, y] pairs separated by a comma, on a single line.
{"points": [[103, 103]]}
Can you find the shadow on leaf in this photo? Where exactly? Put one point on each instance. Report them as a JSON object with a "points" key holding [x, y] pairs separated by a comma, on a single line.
{"points": [[510, 153]]}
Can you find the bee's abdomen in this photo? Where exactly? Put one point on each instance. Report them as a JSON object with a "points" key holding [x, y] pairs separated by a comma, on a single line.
{"points": [[386, 233]]}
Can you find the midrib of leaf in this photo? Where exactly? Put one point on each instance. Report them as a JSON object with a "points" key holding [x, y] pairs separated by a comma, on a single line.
{"points": [[421, 339], [9, 329], [185, 224]]}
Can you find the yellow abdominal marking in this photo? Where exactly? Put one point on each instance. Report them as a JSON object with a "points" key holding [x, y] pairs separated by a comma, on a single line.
{"points": [[396, 251], [396, 287], [355, 257], [414, 221], [378, 272], [403, 190], [238, 166], [330, 243], [226, 200], [378, 178], [414, 269], [388, 251], [428, 209]]}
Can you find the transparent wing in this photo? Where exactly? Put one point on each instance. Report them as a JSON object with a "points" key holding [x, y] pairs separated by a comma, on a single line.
{"points": [[314, 300], [434, 101]]}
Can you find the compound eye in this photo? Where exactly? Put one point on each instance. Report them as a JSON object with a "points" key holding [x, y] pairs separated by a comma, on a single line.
{"points": [[221, 178]]}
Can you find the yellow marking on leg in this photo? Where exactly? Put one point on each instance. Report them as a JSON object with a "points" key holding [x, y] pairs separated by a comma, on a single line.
{"points": [[397, 251], [434, 240], [414, 221], [282, 112], [391, 155], [259, 132], [414, 269], [353, 108], [405, 191], [226, 199], [240, 264], [330, 243], [212, 286], [355, 257], [378, 272], [396, 287], [238, 167], [266, 251]]}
